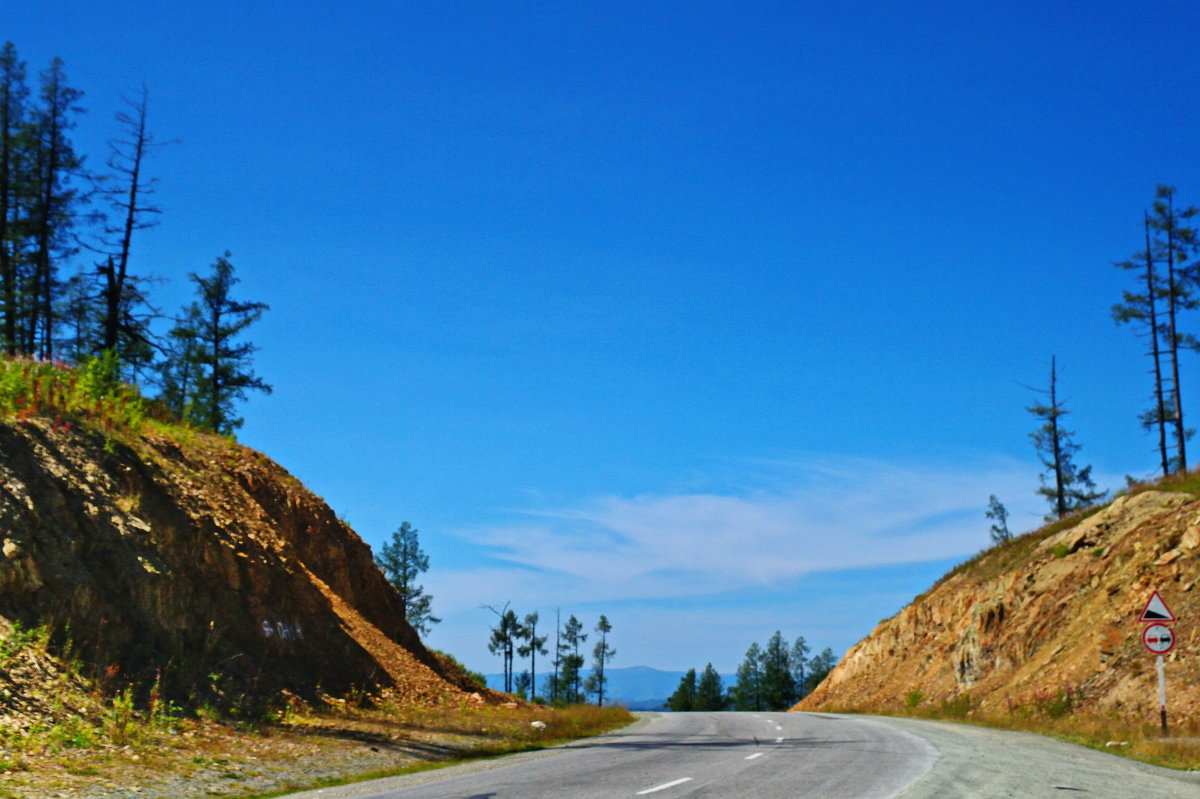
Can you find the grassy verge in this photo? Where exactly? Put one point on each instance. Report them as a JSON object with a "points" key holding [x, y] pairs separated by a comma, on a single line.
{"points": [[482, 732], [63, 735]]}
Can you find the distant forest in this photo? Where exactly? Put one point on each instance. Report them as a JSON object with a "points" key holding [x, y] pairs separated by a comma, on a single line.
{"points": [[67, 232], [773, 677]]}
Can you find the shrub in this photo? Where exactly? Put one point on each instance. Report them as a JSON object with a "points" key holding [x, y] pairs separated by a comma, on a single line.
{"points": [[89, 392], [956, 707]]}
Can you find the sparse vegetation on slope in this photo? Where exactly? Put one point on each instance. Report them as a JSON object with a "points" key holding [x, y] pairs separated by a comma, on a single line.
{"points": [[88, 393], [62, 734], [1040, 632]]}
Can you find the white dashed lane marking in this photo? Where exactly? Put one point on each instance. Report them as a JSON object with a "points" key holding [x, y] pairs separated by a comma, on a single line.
{"points": [[664, 786]]}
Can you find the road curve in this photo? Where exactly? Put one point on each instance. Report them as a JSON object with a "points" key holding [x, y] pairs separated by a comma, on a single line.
{"points": [[694, 755], [988, 764], [778, 755]]}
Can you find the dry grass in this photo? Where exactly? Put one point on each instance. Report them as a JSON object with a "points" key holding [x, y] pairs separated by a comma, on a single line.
{"points": [[483, 730], [63, 735], [1006, 556], [326, 745]]}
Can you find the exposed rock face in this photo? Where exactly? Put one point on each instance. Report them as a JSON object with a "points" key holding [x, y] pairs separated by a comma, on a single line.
{"points": [[195, 556], [1045, 616]]}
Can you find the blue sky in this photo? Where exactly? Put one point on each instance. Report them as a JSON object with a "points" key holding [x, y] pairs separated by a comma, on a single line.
{"points": [[714, 317]]}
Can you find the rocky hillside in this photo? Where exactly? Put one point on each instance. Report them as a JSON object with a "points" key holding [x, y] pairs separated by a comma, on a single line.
{"points": [[1046, 621], [185, 558]]}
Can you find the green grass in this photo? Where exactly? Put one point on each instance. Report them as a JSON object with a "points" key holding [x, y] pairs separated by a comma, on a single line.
{"points": [[88, 393]]}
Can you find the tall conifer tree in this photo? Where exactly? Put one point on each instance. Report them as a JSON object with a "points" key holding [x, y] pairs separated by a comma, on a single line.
{"points": [[684, 698], [224, 372], [602, 653], [748, 690], [1173, 241], [534, 645], [778, 685], [709, 693], [1143, 307], [13, 182], [1065, 486], [402, 561], [52, 218]]}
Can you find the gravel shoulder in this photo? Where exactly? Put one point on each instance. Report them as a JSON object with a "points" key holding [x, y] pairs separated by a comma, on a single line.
{"points": [[987, 763], [385, 784]]}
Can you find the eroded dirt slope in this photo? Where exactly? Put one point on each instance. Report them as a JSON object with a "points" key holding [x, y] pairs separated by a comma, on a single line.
{"points": [[202, 561], [1045, 618]]}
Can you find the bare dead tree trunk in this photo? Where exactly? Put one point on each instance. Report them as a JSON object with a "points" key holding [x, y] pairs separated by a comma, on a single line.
{"points": [[1156, 352], [1172, 288]]}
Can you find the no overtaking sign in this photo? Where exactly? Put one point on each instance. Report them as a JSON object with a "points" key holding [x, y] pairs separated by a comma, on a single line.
{"points": [[1158, 638]]}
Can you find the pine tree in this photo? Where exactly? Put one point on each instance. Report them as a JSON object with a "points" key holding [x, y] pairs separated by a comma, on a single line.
{"points": [[571, 676], [1072, 488], [778, 686], [224, 373], [78, 315], [1143, 307], [684, 698], [52, 211], [748, 690], [709, 692], [799, 662], [999, 514], [819, 667], [402, 561], [13, 110], [179, 370], [503, 640], [1172, 243], [601, 653], [534, 645], [554, 682]]}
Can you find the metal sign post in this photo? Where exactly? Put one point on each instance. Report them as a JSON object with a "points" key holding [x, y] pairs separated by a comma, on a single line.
{"points": [[1162, 695], [1159, 639]]}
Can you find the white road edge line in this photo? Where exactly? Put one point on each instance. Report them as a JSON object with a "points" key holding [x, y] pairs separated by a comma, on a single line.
{"points": [[665, 785], [755, 755]]}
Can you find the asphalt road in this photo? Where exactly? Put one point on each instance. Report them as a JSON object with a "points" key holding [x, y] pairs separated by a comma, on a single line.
{"points": [[789, 755]]}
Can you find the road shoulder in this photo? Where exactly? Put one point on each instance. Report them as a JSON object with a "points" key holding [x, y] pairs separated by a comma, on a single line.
{"points": [[358, 790], [985, 762]]}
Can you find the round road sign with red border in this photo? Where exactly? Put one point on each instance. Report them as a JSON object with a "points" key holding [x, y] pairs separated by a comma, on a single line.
{"points": [[1159, 638]]}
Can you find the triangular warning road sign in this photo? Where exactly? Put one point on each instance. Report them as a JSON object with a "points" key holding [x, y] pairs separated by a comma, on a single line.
{"points": [[1156, 610]]}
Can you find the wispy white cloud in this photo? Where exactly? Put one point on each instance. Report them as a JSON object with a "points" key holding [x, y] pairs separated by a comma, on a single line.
{"points": [[814, 514]]}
